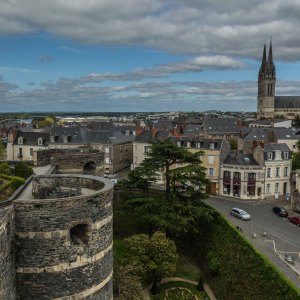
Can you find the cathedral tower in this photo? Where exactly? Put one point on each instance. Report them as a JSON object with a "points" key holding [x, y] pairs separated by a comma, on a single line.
{"points": [[266, 86]]}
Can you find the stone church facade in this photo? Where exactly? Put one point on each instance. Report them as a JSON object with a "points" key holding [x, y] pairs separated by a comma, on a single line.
{"points": [[268, 105]]}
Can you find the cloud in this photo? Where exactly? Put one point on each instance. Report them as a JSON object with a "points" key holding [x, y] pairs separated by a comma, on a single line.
{"points": [[73, 95], [46, 59], [69, 49], [198, 64], [231, 27]]}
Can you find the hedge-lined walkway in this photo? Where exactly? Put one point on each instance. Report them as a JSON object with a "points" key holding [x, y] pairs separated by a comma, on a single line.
{"points": [[209, 292]]}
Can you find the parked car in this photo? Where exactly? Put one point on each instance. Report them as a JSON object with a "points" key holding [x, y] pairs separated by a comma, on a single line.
{"points": [[239, 213], [280, 211], [295, 220]]}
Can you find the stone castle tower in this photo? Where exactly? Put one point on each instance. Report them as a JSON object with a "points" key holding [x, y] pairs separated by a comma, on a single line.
{"points": [[266, 86]]}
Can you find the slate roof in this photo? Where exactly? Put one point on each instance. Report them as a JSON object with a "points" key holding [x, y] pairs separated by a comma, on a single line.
{"points": [[147, 136], [240, 159], [285, 133], [221, 125], [287, 102], [274, 147], [258, 134], [31, 138], [83, 135], [204, 143]]}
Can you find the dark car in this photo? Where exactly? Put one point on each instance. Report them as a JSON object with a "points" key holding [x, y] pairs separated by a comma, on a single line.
{"points": [[295, 220], [280, 211]]}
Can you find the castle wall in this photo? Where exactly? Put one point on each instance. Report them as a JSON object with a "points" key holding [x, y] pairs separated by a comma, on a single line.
{"points": [[7, 261], [65, 245]]}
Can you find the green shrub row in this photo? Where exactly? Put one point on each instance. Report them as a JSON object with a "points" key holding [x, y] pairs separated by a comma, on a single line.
{"points": [[12, 181], [236, 270]]}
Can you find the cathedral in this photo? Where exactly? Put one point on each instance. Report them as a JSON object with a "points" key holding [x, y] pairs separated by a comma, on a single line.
{"points": [[269, 105]]}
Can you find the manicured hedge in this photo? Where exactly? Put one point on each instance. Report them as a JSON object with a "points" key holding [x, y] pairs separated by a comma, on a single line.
{"points": [[236, 270], [12, 181]]}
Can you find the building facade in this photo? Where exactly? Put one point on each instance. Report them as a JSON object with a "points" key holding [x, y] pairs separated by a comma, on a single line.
{"points": [[269, 105]]}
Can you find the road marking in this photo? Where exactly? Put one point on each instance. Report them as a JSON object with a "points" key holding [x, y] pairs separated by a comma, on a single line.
{"points": [[284, 240]]}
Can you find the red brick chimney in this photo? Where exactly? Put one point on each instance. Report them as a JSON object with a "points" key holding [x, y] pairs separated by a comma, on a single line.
{"points": [[138, 131]]}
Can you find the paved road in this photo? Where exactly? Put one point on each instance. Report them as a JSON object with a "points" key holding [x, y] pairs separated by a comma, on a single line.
{"points": [[281, 236]]}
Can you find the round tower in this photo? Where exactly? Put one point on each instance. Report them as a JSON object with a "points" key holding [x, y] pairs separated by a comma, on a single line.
{"points": [[64, 239]]}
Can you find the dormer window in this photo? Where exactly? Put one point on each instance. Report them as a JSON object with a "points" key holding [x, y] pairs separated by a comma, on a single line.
{"points": [[278, 155], [52, 138], [212, 146], [20, 140], [40, 141], [188, 144], [198, 145], [286, 155], [179, 143], [65, 138], [269, 155]]}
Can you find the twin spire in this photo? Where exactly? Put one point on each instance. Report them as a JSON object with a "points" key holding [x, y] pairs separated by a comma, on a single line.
{"points": [[270, 56]]}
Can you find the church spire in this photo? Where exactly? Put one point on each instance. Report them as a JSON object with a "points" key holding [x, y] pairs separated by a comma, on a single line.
{"points": [[270, 57], [264, 58]]}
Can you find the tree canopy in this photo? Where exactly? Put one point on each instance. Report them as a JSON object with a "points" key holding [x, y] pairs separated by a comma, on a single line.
{"points": [[156, 255], [178, 207]]}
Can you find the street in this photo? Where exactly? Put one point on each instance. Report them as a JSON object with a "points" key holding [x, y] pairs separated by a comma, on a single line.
{"points": [[272, 235]]}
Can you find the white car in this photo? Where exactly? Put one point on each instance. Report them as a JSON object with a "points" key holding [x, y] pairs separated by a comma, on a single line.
{"points": [[239, 213]]}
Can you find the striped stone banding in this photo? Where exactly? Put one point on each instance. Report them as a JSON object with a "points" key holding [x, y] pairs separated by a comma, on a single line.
{"points": [[61, 233], [80, 262], [89, 291]]}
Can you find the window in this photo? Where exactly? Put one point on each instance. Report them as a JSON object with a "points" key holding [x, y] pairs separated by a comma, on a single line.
{"points": [[211, 160], [106, 150], [40, 141], [268, 188], [278, 155], [20, 153], [188, 144], [107, 160], [79, 234], [211, 172], [269, 174], [212, 146], [52, 138], [20, 140], [226, 174], [277, 172], [269, 155], [147, 149], [286, 155], [286, 171], [198, 145], [179, 143], [31, 151], [276, 187]]}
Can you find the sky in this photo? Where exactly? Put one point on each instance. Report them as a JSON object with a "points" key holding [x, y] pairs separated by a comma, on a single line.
{"points": [[143, 55]]}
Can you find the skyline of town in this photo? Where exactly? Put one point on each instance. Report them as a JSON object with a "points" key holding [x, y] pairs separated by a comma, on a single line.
{"points": [[143, 55]]}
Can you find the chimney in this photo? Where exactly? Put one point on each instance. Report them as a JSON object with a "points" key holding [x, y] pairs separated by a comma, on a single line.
{"points": [[138, 131], [153, 132]]}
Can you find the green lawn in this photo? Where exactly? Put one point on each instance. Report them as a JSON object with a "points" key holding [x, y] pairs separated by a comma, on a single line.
{"points": [[179, 291]]}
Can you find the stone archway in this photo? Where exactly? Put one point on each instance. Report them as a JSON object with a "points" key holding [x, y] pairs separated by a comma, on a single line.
{"points": [[89, 168]]}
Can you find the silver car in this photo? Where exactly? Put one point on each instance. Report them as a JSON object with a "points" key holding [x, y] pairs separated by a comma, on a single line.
{"points": [[239, 213]]}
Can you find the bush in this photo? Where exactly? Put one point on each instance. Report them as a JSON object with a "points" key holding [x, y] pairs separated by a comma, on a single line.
{"points": [[4, 168], [23, 170]]}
